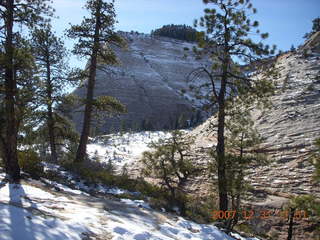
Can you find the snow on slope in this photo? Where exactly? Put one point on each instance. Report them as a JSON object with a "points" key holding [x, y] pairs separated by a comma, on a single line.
{"points": [[125, 148], [32, 211]]}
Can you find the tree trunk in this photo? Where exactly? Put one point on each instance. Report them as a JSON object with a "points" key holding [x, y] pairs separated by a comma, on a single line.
{"points": [[238, 200], [223, 197], [54, 157], [220, 149], [82, 148], [290, 229], [10, 148]]}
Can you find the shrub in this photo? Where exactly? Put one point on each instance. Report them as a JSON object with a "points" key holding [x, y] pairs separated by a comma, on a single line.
{"points": [[30, 163], [200, 209], [181, 32], [96, 173], [171, 162], [315, 159]]}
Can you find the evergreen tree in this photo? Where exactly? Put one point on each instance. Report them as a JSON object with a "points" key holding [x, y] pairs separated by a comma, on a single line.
{"points": [[50, 55], [308, 203], [172, 163], [305, 206], [95, 36], [181, 32], [316, 160], [315, 27], [226, 39], [26, 82], [292, 49], [25, 73], [242, 150], [13, 12]]}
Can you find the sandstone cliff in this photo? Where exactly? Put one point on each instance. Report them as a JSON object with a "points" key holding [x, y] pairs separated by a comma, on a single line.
{"points": [[289, 129], [149, 80]]}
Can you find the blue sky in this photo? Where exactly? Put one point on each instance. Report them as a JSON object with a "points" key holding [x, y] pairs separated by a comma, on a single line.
{"points": [[286, 21]]}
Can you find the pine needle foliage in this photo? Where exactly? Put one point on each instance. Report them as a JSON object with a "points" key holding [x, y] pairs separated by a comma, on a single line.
{"points": [[172, 163], [95, 37], [26, 14], [226, 39]]}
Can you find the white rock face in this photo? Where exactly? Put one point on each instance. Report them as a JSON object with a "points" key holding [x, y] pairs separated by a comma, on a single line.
{"points": [[289, 127], [149, 81]]}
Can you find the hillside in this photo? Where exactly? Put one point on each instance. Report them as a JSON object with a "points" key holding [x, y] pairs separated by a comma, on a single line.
{"points": [[289, 129], [44, 209], [74, 209], [149, 80]]}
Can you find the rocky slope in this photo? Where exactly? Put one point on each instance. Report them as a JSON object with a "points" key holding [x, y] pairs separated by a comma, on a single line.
{"points": [[289, 129], [149, 80], [291, 126]]}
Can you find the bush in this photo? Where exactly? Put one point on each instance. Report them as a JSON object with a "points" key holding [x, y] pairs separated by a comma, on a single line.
{"points": [[30, 162], [315, 159], [200, 209], [181, 32], [171, 162], [95, 173]]}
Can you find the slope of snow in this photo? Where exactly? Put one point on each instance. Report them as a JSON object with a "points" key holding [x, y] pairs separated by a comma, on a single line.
{"points": [[32, 211], [125, 148], [29, 213]]}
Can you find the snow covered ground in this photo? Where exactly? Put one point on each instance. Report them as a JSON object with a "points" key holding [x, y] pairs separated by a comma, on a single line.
{"points": [[125, 148], [34, 210], [44, 209]]}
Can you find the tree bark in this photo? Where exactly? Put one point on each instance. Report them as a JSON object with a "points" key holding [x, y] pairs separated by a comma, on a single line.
{"points": [[82, 148], [10, 148], [290, 229], [220, 149], [54, 157]]}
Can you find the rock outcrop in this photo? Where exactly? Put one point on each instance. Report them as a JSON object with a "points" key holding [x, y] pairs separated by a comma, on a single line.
{"points": [[149, 81], [289, 129], [312, 44]]}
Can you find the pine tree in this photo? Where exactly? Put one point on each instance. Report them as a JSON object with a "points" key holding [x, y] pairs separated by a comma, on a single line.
{"points": [[226, 40], [242, 150], [308, 203], [95, 36], [316, 160], [50, 55], [26, 95], [24, 13], [315, 28], [26, 82], [181, 32], [172, 163]]}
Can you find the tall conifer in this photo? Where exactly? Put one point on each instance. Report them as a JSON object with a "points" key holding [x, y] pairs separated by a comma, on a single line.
{"points": [[226, 39], [50, 55], [94, 37], [25, 13]]}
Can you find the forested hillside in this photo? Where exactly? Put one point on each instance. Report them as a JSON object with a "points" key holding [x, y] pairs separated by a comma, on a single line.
{"points": [[203, 132]]}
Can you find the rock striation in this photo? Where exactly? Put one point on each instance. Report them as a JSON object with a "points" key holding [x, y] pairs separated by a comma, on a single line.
{"points": [[149, 81], [289, 129]]}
